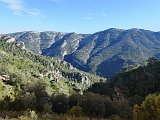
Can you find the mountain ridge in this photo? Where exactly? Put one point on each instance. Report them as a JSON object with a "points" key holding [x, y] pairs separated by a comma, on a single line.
{"points": [[103, 53]]}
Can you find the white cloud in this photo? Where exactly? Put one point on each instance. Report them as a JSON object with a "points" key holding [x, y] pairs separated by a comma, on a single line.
{"points": [[19, 8], [34, 12], [15, 5], [91, 16]]}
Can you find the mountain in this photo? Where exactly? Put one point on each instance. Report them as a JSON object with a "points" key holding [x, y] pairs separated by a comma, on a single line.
{"points": [[37, 41], [104, 53], [67, 45], [20, 68]]}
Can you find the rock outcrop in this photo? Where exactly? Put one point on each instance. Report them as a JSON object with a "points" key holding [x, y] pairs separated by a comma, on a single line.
{"points": [[5, 78], [21, 45]]}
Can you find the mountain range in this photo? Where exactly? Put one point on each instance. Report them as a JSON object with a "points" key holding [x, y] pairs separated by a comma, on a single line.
{"points": [[104, 53]]}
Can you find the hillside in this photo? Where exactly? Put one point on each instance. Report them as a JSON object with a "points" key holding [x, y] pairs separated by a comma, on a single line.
{"points": [[20, 67], [104, 53], [137, 82], [39, 41]]}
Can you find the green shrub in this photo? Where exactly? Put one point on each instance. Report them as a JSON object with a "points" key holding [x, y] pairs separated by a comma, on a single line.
{"points": [[76, 111], [31, 115]]}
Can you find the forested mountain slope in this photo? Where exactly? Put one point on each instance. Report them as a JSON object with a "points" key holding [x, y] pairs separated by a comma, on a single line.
{"points": [[103, 53], [141, 81], [20, 67]]}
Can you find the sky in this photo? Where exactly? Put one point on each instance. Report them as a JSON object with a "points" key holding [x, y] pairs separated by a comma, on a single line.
{"points": [[80, 16]]}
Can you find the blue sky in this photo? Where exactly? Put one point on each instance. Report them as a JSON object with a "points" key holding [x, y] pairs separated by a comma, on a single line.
{"points": [[80, 16]]}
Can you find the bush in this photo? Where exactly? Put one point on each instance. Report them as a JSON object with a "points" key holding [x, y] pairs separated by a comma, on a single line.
{"points": [[31, 115], [149, 109], [76, 111], [60, 103], [123, 108], [96, 105]]}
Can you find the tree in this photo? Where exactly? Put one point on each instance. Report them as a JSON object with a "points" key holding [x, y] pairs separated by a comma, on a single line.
{"points": [[73, 100], [123, 109], [33, 96], [136, 99], [96, 105], [149, 109], [60, 103], [76, 111], [152, 60]]}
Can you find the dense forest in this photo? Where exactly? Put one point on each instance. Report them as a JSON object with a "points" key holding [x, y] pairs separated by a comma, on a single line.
{"points": [[30, 92]]}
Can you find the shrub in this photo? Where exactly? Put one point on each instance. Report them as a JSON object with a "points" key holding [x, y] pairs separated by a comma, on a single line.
{"points": [[149, 109], [31, 115], [76, 111]]}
